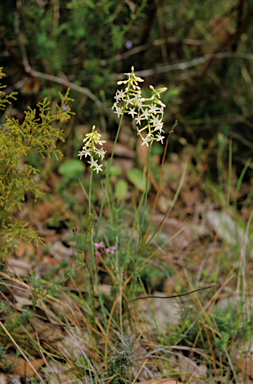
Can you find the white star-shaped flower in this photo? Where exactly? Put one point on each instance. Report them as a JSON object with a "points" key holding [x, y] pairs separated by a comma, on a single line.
{"points": [[93, 163], [159, 138], [132, 112], [128, 101], [101, 153], [138, 120], [85, 152], [137, 101], [145, 114], [146, 140], [98, 167], [118, 111], [119, 95], [153, 109]]}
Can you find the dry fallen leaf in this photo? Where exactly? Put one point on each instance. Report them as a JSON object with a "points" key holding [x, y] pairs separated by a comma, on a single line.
{"points": [[3, 379], [23, 248], [245, 364], [60, 252], [18, 266], [188, 367], [120, 150], [20, 366]]}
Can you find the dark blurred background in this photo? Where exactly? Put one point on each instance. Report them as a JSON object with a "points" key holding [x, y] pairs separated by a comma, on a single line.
{"points": [[200, 49]]}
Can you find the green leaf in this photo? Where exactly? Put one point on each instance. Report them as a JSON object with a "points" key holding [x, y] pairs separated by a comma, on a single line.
{"points": [[121, 189], [135, 176], [71, 167], [116, 170]]}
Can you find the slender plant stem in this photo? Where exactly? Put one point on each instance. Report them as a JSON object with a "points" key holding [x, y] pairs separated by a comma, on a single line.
{"points": [[109, 167], [143, 204], [92, 271], [145, 191]]}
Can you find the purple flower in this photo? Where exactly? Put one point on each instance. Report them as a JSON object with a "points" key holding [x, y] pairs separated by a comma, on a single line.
{"points": [[64, 107], [111, 250], [99, 245], [129, 44]]}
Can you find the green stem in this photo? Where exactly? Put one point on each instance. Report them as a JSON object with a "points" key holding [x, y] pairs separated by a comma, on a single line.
{"points": [[139, 245], [146, 190], [90, 187], [110, 164], [92, 270]]}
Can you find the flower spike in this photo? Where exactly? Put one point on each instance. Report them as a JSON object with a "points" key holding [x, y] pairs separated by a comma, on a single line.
{"points": [[90, 149], [147, 113]]}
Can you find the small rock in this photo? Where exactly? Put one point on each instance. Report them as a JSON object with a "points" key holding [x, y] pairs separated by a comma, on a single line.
{"points": [[171, 227], [166, 311], [225, 227]]}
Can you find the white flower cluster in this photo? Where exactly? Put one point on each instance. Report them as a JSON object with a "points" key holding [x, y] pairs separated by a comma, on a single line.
{"points": [[90, 149], [146, 112]]}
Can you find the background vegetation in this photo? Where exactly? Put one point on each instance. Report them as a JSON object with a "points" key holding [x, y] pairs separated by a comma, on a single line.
{"points": [[75, 289], [200, 50]]}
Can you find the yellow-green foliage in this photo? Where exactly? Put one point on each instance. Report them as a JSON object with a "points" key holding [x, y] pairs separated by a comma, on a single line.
{"points": [[35, 134]]}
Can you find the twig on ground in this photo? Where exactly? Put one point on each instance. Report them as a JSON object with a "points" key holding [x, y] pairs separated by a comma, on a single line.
{"points": [[173, 296]]}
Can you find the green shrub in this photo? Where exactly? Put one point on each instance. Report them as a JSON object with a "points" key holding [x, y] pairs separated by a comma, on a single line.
{"points": [[36, 134]]}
